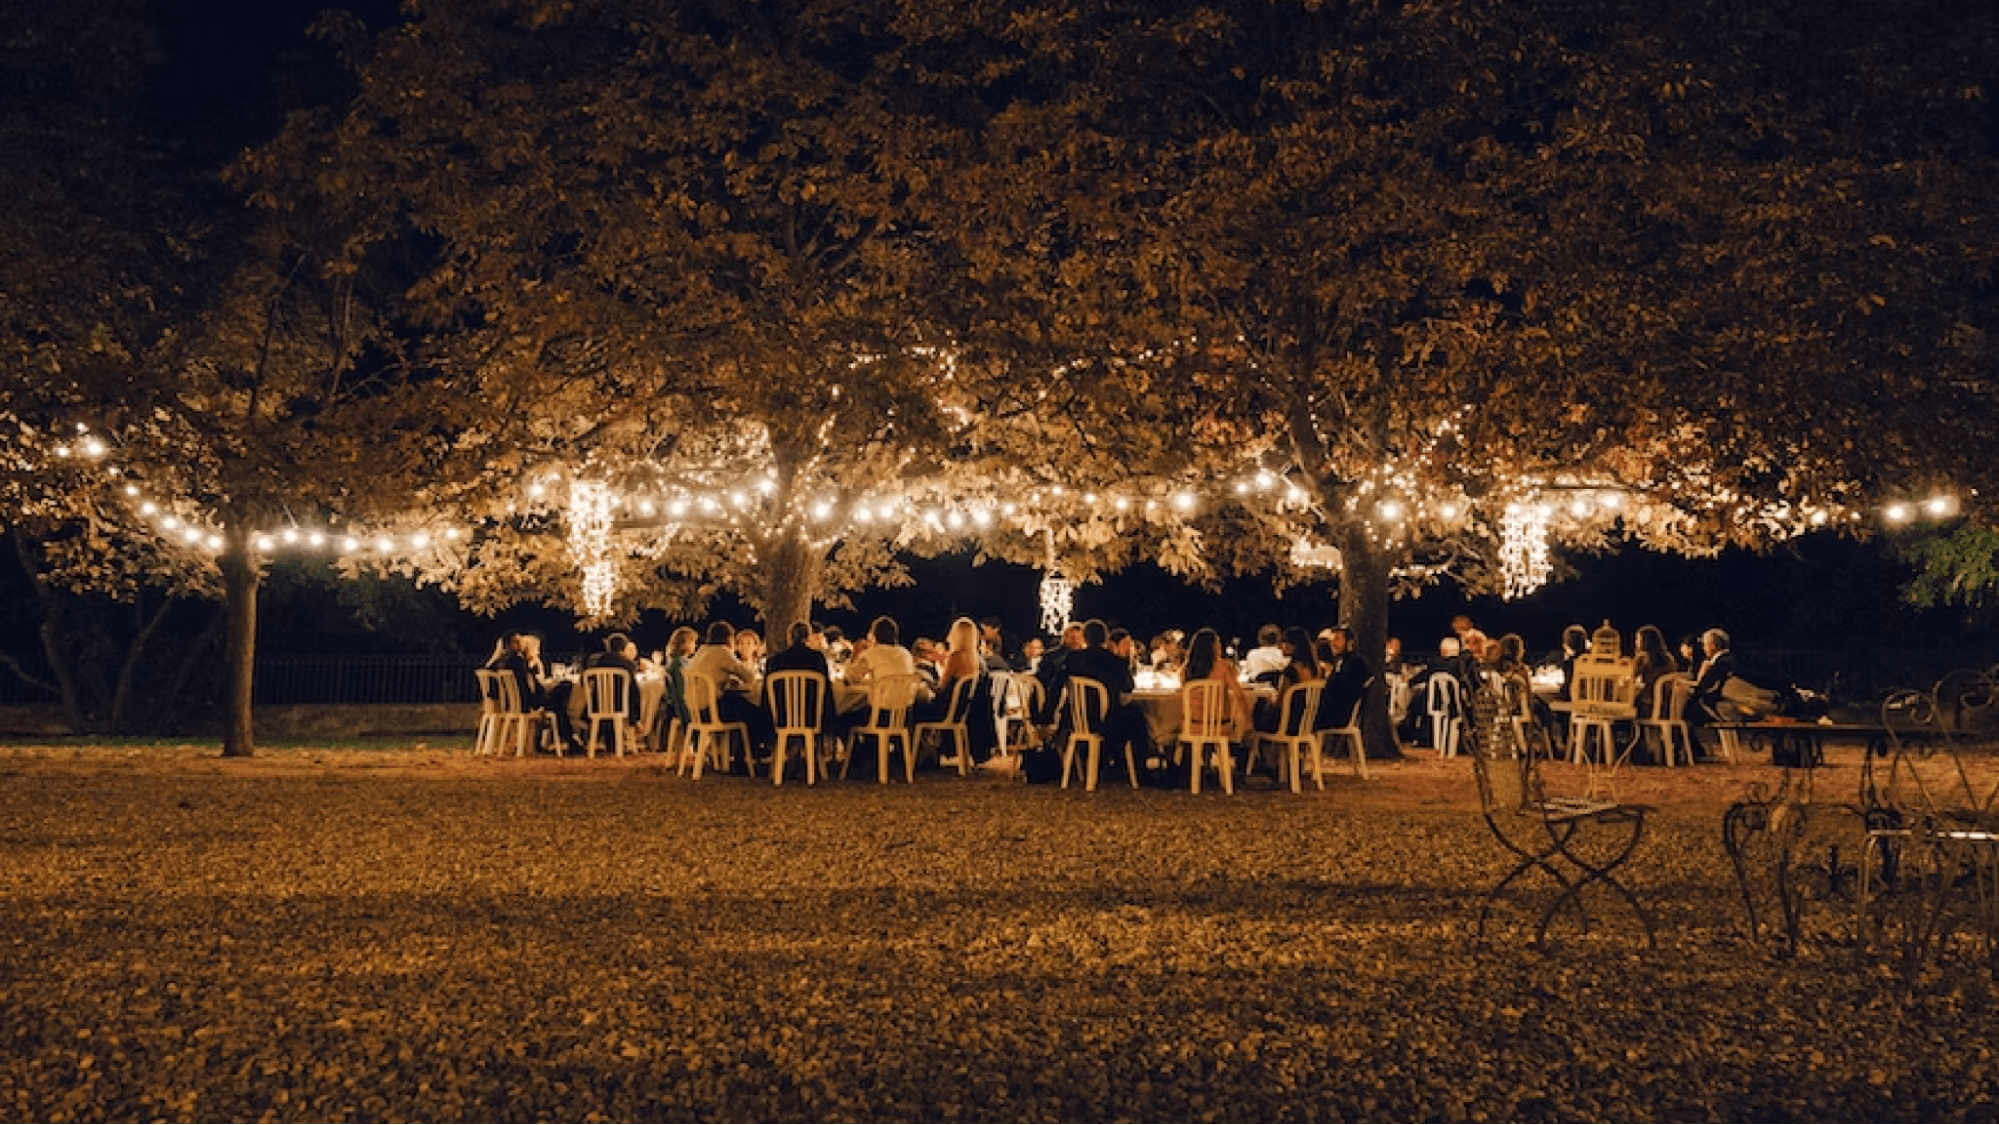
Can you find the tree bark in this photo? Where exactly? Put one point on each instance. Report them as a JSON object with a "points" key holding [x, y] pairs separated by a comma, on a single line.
{"points": [[240, 579], [54, 637], [792, 568], [1364, 597], [135, 653]]}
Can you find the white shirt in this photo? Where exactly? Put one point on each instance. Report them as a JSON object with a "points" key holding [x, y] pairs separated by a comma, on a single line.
{"points": [[880, 660], [1258, 661]]}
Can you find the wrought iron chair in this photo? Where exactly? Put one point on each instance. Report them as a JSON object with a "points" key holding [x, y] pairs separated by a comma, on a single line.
{"points": [[1579, 843]]}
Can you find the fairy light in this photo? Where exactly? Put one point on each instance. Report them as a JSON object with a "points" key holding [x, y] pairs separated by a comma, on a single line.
{"points": [[1523, 548], [590, 512], [1058, 600]]}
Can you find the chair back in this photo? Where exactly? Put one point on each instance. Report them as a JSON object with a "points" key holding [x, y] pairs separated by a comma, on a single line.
{"points": [[796, 698], [1669, 697], [607, 691], [1089, 702], [704, 699], [958, 705], [492, 691], [1028, 694], [510, 692], [1204, 709], [1605, 686], [890, 697], [1298, 709], [1505, 784], [1443, 695]]}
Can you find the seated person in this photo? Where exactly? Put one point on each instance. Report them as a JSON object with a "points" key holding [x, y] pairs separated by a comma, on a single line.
{"points": [[1205, 661], [801, 656], [1124, 723], [622, 653], [736, 685], [1346, 680], [1267, 659], [1301, 666]]}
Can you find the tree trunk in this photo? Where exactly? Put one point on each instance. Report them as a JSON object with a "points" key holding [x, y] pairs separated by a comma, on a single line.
{"points": [[791, 576], [1364, 596], [135, 655], [240, 578], [54, 637]]}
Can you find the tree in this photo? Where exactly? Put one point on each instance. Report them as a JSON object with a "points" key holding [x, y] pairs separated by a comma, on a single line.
{"points": [[1457, 271]]}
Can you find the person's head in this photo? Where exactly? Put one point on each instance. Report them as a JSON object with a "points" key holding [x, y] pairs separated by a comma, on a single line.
{"points": [[964, 636], [1575, 640], [1095, 633], [617, 643], [1652, 644], [1512, 651], [1072, 635], [721, 633], [1270, 636], [1340, 640], [508, 644], [682, 641], [748, 643], [1461, 624], [1298, 648], [885, 631], [1394, 646], [530, 645], [1714, 642], [1122, 644], [1450, 646], [800, 634], [1033, 648], [1690, 647], [834, 636], [989, 631], [1204, 651], [815, 636], [1473, 643]]}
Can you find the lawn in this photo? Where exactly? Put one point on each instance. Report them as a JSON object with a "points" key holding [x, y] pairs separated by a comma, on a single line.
{"points": [[329, 933]]}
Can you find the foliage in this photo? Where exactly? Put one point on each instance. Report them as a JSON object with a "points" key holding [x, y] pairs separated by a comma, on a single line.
{"points": [[1958, 566]]}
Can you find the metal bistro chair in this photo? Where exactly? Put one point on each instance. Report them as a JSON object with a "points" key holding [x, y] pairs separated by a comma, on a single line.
{"points": [[607, 697], [1204, 728], [1349, 733], [889, 699], [704, 710], [954, 725], [1297, 710], [1577, 842], [797, 699]]}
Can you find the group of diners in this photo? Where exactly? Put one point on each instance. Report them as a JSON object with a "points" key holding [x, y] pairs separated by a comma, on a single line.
{"points": [[1495, 676], [736, 662]]}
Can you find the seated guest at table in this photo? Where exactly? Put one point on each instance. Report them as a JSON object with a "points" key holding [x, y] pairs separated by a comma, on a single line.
{"points": [[1124, 723], [801, 655], [1265, 660], [838, 649], [992, 645], [929, 658], [1716, 667], [1301, 666], [1053, 671], [1168, 653], [1030, 654], [1575, 642], [622, 653], [959, 662], [1653, 661], [1346, 682], [1125, 647], [736, 687], [1414, 730], [882, 655], [680, 646], [519, 655], [749, 649], [1205, 661]]}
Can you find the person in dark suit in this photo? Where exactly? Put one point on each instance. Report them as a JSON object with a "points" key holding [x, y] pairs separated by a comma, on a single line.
{"points": [[1124, 723], [800, 656], [1053, 672], [622, 653], [1346, 680]]}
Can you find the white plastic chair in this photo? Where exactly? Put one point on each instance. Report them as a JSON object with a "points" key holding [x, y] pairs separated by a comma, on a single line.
{"points": [[889, 699], [1089, 702], [512, 722], [607, 695], [1204, 728], [1668, 722], [1348, 733], [1027, 696], [704, 708], [1443, 701], [797, 700], [1297, 710], [490, 710], [955, 723], [1602, 694]]}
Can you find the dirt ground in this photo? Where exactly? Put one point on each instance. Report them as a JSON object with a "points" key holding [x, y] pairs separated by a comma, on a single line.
{"points": [[414, 933]]}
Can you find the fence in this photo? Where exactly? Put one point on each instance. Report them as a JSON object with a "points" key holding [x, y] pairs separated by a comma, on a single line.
{"points": [[365, 679]]}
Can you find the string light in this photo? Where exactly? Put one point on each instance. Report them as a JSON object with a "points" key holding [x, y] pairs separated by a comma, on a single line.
{"points": [[589, 521], [1523, 548]]}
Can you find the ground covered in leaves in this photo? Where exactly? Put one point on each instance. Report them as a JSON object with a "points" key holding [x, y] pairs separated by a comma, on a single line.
{"points": [[417, 934]]}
